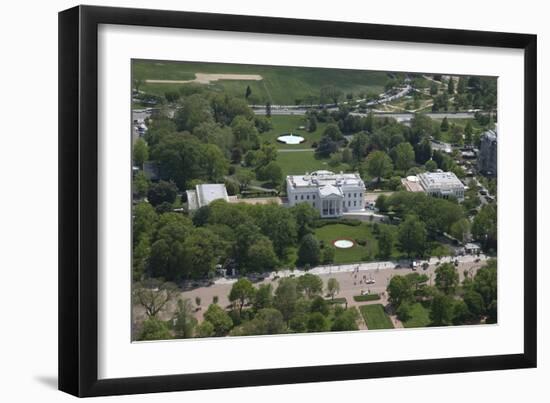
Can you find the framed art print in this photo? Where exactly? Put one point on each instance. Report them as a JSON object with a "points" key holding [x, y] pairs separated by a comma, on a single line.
{"points": [[250, 201]]}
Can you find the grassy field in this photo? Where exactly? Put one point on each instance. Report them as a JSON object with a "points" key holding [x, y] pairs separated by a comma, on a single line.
{"points": [[375, 317], [290, 124], [357, 253], [420, 316], [300, 162], [280, 85]]}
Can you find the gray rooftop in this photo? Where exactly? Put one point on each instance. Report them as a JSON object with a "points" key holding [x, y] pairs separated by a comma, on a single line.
{"points": [[436, 180], [324, 178]]}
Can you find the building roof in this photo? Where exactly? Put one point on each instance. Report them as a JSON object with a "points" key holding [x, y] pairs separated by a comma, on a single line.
{"points": [[192, 202], [330, 190], [412, 185], [439, 180], [323, 178], [208, 192]]}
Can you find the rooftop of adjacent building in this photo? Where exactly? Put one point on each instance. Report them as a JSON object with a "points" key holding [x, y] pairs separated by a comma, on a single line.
{"points": [[439, 179], [209, 192], [324, 178]]}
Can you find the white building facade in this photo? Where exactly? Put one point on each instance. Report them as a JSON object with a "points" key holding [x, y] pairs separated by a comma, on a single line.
{"points": [[331, 194], [442, 184]]}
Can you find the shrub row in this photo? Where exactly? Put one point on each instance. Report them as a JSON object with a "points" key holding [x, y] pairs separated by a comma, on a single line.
{"points": [[366, 297]]}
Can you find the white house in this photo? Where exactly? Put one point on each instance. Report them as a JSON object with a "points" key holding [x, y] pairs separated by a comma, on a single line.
{"points": [[332, 194], [205, 194], [442, 184]]}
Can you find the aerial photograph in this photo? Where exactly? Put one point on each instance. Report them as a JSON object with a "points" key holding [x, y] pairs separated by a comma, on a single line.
{"points": [[281, 200]]}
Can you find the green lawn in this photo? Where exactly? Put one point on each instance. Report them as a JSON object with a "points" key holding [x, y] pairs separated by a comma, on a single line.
{"points": [[420, 316], [280, 84], [289, 124], [375, 317], [358, 253]]}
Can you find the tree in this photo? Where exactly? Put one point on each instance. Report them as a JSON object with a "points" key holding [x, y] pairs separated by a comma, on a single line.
{"points": [[309, 252], [215, 163], [241, 293], [245, 132], [423, 151], [484, 226], [412, 236], [260, 256], [399, 290], [305, 216], [312, 124], [328, 254], [141, 152], [140, 185], [379, 165], [194, 110], [474, 302], [162, 192], [444, 124], [468, 133], [144, 221], [430, 165], [461, 229], [248, 92], [220, 320], [441, 312], [205, 329], [382, 203], [434, 88], [269, 321], [310, 284], [446, 278], [326, 147], [403, 156], [272, 173], [268, 109], [346, 321], [153, 295], [263, 297], [359, 145], [317, 322], [286, 296], [244, 178], [278, 225], [333, 132], [451, 86], [485, 283], [385, 242], [201, 250], [140, 257], [184, 320], [181, 158], [154, 329], [333, 287]]}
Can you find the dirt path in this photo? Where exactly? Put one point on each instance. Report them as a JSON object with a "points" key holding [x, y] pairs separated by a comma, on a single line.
{"points": [[205, 78]]}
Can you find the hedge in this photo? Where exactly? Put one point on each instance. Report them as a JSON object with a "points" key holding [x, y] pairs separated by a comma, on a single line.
{"points": [[366, 297]]}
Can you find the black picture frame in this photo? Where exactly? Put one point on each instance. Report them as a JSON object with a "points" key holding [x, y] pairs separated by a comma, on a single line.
{"points": [[78, 199]]}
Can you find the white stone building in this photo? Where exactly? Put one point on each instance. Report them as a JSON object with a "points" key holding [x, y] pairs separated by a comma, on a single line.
{"points": [[332, 194], [442, 184], [205, 194]]}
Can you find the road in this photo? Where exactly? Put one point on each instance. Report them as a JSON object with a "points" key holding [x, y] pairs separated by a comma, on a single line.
{"points": [[399, 116]]}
